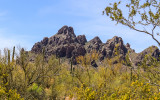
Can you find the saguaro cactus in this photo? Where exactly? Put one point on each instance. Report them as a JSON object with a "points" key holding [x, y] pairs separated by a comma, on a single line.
{"points": [[43, 53], [71, 66], [13, 54], [43, 56], [8, 57]]}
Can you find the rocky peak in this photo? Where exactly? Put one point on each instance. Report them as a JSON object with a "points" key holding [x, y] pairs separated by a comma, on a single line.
{"points": [[63, 44], [115, 40], [66, 44], [128, 45], [96, 40], [65, 35], [94, 44], [82, 39], [152, 51], [113, 47], [45, 41], [65, 30]]}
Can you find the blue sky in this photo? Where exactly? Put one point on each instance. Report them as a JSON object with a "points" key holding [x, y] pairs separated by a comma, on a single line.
{"points": [[25, 22]]}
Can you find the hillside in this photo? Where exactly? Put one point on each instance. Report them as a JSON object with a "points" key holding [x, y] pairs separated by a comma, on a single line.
{"points": [[66, 44]]}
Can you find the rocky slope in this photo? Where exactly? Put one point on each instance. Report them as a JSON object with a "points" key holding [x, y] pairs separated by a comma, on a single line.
{"points": [[66, 44]]}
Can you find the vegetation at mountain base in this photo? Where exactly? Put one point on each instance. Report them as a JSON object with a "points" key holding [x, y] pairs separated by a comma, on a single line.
{"points": [[142, 15], [58, 79]]}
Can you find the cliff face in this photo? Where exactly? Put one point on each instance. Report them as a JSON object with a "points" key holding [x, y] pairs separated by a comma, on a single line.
{"points": [[66, 44], [152, 51], [63, 44]]}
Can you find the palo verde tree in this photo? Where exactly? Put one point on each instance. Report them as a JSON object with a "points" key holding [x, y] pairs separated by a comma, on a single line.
{"points": [[139, 15]]}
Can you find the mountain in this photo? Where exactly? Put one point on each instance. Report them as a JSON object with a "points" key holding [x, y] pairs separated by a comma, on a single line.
{"points": [[66, 44]]}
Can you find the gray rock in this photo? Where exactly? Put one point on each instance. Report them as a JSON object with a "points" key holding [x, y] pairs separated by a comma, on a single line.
{"points": [[152, 51], [94, 44], [114, 47], [82, 39], [66, 44]]}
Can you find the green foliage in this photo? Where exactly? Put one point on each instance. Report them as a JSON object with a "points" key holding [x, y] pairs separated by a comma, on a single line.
{"points": [[35, 90], [85, 93], [140, 14], [10, 95], [41, 80]]}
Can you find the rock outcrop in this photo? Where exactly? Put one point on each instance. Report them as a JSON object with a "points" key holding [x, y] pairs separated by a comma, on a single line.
{"points": [[94, 44], [114, 47], [66, 44], [82, 39], [152, 51], [63, 44]]}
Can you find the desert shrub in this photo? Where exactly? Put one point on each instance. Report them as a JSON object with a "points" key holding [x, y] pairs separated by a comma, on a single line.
{"points": [[53, 80]]}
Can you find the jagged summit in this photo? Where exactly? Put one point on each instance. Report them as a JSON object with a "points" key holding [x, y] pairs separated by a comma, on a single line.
{"points": [[82, 39], [152, 51], [66, 30], [115, 40], [65, 35], [96, 40], [94, 44], [65, 44]]}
